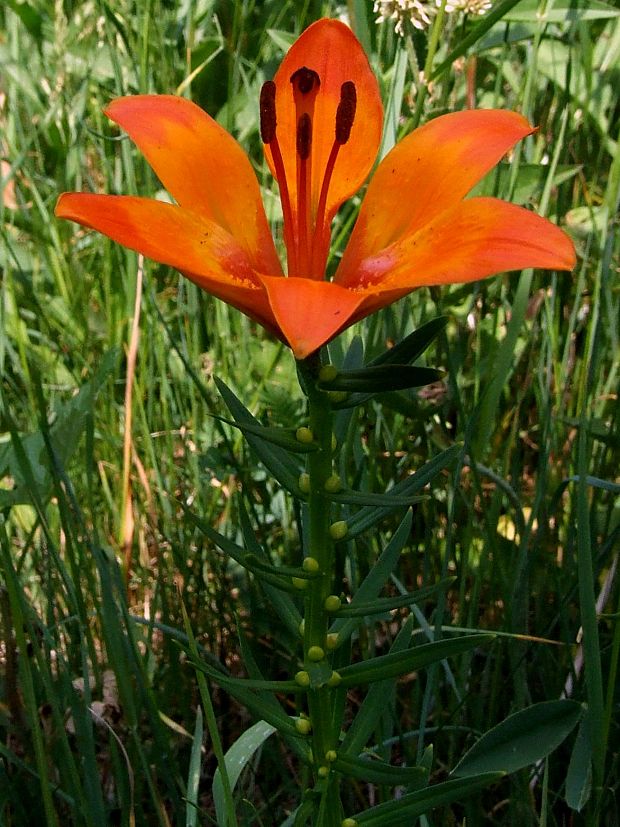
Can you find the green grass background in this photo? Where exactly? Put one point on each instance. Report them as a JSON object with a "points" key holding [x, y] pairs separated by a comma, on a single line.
{"points": [[98, 707]]}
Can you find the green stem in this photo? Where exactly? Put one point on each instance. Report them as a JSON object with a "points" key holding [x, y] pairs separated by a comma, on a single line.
{"points": [[433, 44], [321, 699]]}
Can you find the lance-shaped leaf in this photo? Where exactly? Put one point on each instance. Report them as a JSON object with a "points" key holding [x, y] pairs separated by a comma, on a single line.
{"points": [[278, 461], [373, 706], [366, 517], [407, 808], [413, 345], [350, 497], [259, 566], [281, 602], [268, 698], [522, 739], [269, 574], [381, 378], [378, 772], [243, 684], [257, 706], [579, 773], [237, 757], [403, 353], [376, 577], [400, 663], [283, 437], [387, 604]]}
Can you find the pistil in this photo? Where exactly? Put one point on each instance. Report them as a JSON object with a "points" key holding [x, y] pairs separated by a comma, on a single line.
{"points": [[306, 84], [304, 147]]}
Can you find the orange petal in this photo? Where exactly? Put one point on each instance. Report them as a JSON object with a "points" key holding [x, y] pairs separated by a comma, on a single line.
{"points": [[310, 313], [477, 238], [200, 249], [329, 48], [202, 167], [428, 172]]}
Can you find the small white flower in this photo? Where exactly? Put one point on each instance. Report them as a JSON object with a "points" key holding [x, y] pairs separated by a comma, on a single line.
{"points": [[418, 12]]}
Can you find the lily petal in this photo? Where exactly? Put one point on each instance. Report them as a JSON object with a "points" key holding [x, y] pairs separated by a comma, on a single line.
{"points": [[310, 313], [200, 249], [428, 172], [330, 49], [477, 238], [203, 168]]}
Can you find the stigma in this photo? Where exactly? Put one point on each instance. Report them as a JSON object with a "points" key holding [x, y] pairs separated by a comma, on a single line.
{"points": [[306, 225]]}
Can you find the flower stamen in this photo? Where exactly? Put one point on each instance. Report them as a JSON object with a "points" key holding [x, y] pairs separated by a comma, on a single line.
{"points": [[345, 115], [268, 127], [307, 237]]}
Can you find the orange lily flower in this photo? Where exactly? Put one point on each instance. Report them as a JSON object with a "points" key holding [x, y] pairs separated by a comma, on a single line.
{"points": [[321, 121]]}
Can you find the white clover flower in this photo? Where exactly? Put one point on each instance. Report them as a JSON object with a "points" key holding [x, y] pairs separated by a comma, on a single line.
{"points": [[418, 12], [469, 6]]}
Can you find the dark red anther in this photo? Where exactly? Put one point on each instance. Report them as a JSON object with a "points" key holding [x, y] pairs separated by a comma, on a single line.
{"points": [[267, 107], [305, 80], [345, 114]]}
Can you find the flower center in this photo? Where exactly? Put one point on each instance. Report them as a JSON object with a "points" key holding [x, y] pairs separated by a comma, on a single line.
{"points": [[306, 229]]}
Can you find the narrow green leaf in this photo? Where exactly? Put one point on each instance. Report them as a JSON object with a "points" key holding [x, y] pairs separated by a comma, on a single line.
{"points": [[236, 759], [193, 773], [367, 517], [283, 40], [283, 606], [270, 701], [402, 354], [373, 706], [560, 11], [279, 462], [413, 805], [205, 696], [350, 497], [359, 23], [596, 482], [579, 774], [280, 601], [503, 364], [394, 102], [259, 566], [378, 772], [253, 702], [30, 16], [379, 378], [400, 663], [387, 604], [376, 577], [413, 345], [268, 574], [283, 437], [531, 178], [244, 683], [522, 739]]}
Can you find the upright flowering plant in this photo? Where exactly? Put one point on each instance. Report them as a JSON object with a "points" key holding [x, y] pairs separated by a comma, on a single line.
{"points": [[321, 124]]}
